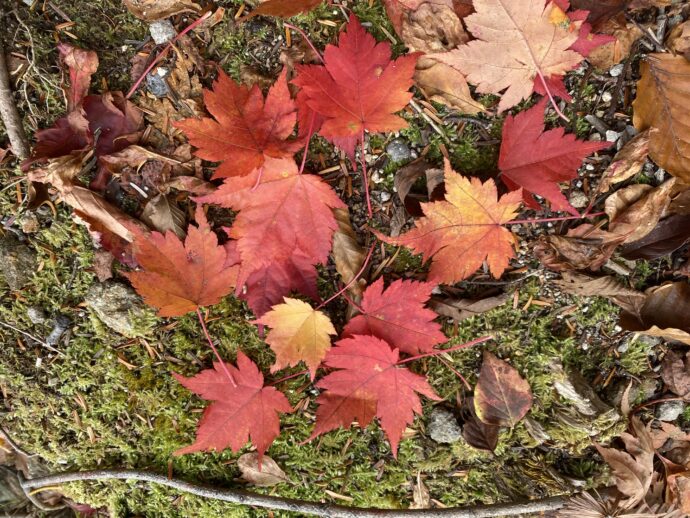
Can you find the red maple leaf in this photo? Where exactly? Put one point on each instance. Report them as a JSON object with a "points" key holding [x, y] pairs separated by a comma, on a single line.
{"points": [[236, 414], [359, 87], [537, 160], [369, 383], [281, 212], [398, 316], [245, 130], [177, 277]]}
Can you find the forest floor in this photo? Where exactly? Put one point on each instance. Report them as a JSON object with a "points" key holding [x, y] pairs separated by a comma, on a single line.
{"points": [[109, 401]]}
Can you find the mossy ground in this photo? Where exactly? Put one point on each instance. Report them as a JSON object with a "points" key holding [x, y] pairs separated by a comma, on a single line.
{"points": [[111, 402]]}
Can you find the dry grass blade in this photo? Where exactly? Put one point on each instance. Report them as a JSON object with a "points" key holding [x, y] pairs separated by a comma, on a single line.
{"points": [[662, 105]]}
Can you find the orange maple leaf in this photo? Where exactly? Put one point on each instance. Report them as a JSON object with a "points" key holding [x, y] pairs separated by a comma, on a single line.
{"points": [[179, 278], [459, 233], [246, 130], [281, 212], [298, 333], [516, 43]]}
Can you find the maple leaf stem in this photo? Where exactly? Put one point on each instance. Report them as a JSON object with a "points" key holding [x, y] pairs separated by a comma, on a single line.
{"points": [[354, 304], [455, 371], [164, 53], [285, 378], [352, 281], [213, 348], [553, 101], [310, 134], [562, 218], [451, 349], [365, 177], [306, 38]]}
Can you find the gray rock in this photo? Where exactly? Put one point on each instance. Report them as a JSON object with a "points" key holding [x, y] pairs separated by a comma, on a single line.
{"points": [[117, 306], [669, 410], [156, 84], [162, 31], [578, 199], [617, 70], [36, 314], [443, 427], [398, 150], [612, 136], [62, 324], [17, 262]]}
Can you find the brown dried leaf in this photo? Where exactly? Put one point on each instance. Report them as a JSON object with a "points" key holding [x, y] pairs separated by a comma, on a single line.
{"points": [[161, 213], [262, 472], [347, 253], [103, 264], [679, 39], [668, 236], [461, 309], [626, 34], [599, 10], [627, 163], [584, 247], [501, 397], [664, 313], [420, 495], [432, 28], [152, 10], [478, 434], [676, 373], [444, 84], [661, 105]]}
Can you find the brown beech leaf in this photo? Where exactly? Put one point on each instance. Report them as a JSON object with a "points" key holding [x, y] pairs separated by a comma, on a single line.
{"points": [[661, 105], [347, 253], [152, 10], [668, 236], [501, 397], [260, 471], [161, 213], [444, 84], [584, 286], [627, 163], [477, 433], [676, 373], [664, 313], [461, 309]]}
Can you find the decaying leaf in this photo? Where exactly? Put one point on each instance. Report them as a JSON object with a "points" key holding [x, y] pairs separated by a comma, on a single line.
{"points": [[433, 27], [260, 471], [676, 373], [152, 10], [668, 236], [476, 432], [420, 495], [516, 44], [584, 286], [444, 84], [664, 313], [502, 397], [599, 10], [461, 309], [283, 8], [82, 64], [347, 253], [458, 234], [298, 333], [661, 105], [625, 33], [627, 163], [407, 176], [161, 213], [585, 247]]}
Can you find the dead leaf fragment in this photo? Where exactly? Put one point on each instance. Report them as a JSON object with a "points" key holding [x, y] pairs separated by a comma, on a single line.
{"points": [[626, 34], [661, 105], [347, 253], [585, 286], [262, 472], [432, 28], [444, 84], [627, 163], [152, 10], [161, 213], [582, 248], [502, 397], [676, 373], [668, 236], [477, 433], [420, 495], [462, 309]]}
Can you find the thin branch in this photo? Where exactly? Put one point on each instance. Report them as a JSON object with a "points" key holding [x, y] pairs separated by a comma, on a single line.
{"points": [[365, 177], [32, 337], [213, 348], [241, 497], [9, 114]]}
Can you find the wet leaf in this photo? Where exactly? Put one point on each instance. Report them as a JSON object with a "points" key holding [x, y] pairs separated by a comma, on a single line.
{"points": [[627, 163], [584, 286], [161, 213], [260, 471], [501, 397]]}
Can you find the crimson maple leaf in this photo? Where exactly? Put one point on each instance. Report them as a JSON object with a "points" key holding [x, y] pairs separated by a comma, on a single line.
{"points": [[177, 277], [359, 88], [245, 130], [237, 413], [538, 160], [369, 383], [281, 212], [398, 316]]}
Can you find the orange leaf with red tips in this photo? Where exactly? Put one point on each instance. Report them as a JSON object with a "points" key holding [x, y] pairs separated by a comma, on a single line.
{"points": [[276, 204], [245, 129], [180, 277], [236, 414], [398, 316], [359, 87], [465, 229], [298, 333], [538, 160], [369, 383]]}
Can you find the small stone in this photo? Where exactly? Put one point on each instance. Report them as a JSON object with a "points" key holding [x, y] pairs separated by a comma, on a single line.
{"points": [[443, 427], [669, 410], [117, 306], [17, 262], [62, 324], [385, 196], [36, 314], [398, 150], [578, 199], [29, 223], [376, 177], [612, 136], [606, 97], [623, 348], [162, 31], [660, 175], [156, 84], [617, 70]]}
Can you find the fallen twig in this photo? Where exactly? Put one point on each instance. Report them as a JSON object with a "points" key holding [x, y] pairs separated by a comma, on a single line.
{"points": [[238, 496], [9, 114]]}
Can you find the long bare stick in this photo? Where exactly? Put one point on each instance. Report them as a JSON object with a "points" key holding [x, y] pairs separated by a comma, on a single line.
{"points": [[238, 496], [9, 114]]}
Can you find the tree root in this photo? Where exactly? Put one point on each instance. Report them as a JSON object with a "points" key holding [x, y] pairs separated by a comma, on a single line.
{"points": [[237, 496]]}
